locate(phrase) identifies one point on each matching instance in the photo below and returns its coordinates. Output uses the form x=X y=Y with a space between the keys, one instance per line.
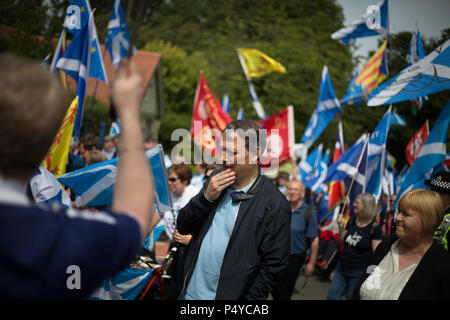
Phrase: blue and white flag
x=321 y=169
x=345 y=167
x=355 y=93
x=327 y=108
x=376 y=155
x=94 y=185
x=117 y=35
x=373 y=22
x=226 y=103
x=359 y=180
x=308 y=168
x=431 y=155
x=126 y=285
x=45 y=188
x=415 y=49
x=256 y=104
x=149 y=242
x=240 y=115
x=428 y=75
x=76 y=63
x=115 y=128
x=397 y=119
x=77 y=16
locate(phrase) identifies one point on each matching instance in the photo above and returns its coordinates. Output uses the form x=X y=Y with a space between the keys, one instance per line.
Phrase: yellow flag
x=56 y=158
x=258 y=64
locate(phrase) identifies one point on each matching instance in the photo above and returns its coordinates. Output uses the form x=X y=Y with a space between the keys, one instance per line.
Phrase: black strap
x=307 y=216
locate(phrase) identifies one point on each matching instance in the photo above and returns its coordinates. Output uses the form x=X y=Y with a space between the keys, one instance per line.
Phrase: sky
x=431 y=16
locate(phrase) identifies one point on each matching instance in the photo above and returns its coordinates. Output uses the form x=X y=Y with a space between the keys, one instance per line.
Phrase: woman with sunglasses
x=181 y=191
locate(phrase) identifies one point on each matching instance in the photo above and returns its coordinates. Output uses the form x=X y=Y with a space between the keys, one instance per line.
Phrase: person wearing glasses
x=181 y=189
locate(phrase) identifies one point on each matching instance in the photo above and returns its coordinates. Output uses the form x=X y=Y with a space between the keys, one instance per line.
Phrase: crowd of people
x=239 y=234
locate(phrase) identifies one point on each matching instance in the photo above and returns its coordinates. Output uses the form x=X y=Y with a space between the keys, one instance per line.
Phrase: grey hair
x=369 y=204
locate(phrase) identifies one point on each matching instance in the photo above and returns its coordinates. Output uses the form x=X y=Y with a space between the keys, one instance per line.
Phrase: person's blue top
x=40 y=243
x=299 y=233
x=203 y=283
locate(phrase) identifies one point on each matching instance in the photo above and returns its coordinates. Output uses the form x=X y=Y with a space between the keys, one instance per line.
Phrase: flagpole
x=354 y=176
x=93 y=98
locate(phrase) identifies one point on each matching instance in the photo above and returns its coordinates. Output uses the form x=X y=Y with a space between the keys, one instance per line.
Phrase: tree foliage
x=204 y=34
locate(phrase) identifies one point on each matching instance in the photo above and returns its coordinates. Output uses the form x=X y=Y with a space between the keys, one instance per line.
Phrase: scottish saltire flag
x=76 y=63
x=226 y=103
x=327 y=108
x=308 y=167
x=355 y=93
x=240 y=115
x=432 y=154
x=397 y=119
x=115 y=128
x=117 y=35
x=321 y=169
x=428 y=75
x=359 y=179
x=77 y=16
x=376 y=155
x=94 y=185
x=415 y=53
x=346 y=166
x=149 y=242
x=415 y=49
x=126 y=285
x=45 y=188
x=256 y=104
x=373 y=22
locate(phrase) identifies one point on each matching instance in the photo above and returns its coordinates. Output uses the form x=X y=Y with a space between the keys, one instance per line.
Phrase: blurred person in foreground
x=42 y=247
x=410 y=265
x=240 y=225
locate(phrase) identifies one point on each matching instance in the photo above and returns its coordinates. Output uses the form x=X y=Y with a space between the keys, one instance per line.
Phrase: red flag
x=280 y=137
x=208 y=118
x=336 y=187
x=416 y=142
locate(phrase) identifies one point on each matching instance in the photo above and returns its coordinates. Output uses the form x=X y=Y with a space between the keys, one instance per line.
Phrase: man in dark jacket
x=240 y=224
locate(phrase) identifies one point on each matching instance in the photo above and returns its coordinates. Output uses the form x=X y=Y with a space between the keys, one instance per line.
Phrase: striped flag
x=374 y=72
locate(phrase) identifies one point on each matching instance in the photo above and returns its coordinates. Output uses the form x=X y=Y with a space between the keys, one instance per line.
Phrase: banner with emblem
x=208 y=118
x=280 y=137
x=56 y=158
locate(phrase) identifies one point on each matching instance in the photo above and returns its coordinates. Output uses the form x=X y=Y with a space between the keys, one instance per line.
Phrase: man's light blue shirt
x=204 y=280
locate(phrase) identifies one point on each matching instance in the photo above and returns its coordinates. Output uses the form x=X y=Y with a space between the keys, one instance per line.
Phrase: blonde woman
x=360 y=237
x=410 y=265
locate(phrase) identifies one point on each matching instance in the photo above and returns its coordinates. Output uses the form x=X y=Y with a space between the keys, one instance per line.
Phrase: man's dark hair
x=90 y=141
x=246 y=127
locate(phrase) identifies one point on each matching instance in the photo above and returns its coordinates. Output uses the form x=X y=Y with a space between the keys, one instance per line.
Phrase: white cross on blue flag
x=327 y=108
x=431 y=155
x=117 y=35
x=94 y=185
